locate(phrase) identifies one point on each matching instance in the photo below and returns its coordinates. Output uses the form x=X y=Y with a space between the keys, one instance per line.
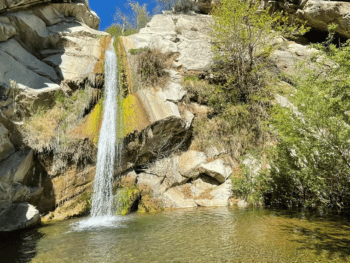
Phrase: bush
x=311 y=165
x=151 y=64
x=240 y=90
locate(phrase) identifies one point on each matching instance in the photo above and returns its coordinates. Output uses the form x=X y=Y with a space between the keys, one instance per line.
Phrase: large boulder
x=18 y=216
x=289 y=55
x=186 y=35
x=189 y=163
x=16 y=173
x=319 y=14
x=11 y=5
x=186 y=180
x=217 y=170
x=28 y=60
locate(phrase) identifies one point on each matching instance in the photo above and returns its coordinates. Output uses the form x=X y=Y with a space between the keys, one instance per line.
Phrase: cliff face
x=46 y=48
x=51 y=66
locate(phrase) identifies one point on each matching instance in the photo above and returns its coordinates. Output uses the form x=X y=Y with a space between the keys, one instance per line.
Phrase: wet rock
x=18 y=216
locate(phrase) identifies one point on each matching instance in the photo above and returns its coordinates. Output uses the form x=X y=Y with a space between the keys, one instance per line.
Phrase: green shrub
x=138 y=50
x=311 y=163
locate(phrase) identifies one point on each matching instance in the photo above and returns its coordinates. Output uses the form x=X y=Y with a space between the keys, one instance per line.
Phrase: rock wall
x=50 y=46
x=159 y=156
x=317 y=13
x=45 y=47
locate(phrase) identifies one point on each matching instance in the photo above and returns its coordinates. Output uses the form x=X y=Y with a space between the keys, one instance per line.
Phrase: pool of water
x=219 y=234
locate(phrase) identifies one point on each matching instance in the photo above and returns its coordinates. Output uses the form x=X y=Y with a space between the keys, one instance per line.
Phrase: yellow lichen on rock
x=134 y=117
x=92 y=125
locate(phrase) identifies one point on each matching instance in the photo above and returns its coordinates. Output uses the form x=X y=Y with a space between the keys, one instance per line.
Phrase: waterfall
x=102 y=199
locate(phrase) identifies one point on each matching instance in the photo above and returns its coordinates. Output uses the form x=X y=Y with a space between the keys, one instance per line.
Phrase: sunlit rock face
x=45 y=47
x=18 y=216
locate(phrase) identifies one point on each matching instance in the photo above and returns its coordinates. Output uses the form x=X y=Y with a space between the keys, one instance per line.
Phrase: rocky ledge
x=18 y=216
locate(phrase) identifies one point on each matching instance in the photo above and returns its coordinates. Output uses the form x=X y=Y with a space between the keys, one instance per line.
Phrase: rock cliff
x=51 y=48
x=46 y=47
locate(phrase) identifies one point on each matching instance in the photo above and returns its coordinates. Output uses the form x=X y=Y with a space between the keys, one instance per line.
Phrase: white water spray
x=102 y=199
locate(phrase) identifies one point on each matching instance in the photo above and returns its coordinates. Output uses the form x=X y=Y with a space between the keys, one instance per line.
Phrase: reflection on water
x=19 y=246
x=201 y=235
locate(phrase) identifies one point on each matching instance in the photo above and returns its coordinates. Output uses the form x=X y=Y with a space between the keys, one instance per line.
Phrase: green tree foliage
x=312 y=160
x=243 y=38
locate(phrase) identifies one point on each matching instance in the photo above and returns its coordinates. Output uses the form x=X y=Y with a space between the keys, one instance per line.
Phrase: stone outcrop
x=319 y=14
x=18 y=216
x=47 y=43
x=45 y=47
x=181 y=181
x=178 y=33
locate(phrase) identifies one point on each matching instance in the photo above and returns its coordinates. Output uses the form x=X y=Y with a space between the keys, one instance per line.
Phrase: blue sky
x=107 y=8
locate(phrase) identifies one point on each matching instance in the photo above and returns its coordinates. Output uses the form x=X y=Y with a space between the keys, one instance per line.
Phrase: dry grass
x=150 y=66
x=49 y=129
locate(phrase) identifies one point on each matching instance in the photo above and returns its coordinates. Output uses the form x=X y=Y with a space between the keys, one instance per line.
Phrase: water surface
x=219 y=234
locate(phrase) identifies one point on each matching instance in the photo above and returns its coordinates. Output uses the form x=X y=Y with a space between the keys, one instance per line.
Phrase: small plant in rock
x=125 y=199
x=137 y=51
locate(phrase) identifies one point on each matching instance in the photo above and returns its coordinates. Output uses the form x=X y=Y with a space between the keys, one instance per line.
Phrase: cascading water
x=102 y=199
x=108 y=151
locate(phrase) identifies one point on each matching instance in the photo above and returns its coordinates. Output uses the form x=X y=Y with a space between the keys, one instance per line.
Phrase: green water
x=196 y=235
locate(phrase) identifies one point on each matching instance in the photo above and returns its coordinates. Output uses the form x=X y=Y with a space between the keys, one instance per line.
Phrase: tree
x=312 y=161
x=133 y=21
x=242 y=39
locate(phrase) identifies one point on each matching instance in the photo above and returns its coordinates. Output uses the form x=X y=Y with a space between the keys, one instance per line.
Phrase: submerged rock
x=18 y=216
